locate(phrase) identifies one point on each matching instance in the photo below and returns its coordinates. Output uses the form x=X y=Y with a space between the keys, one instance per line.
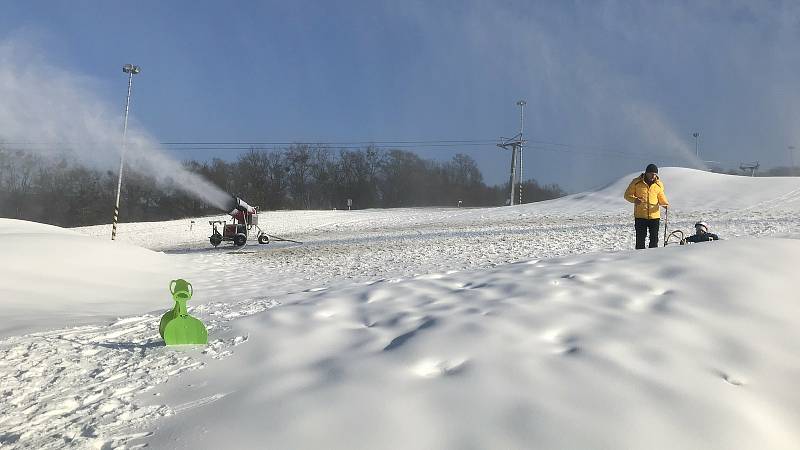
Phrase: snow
x=561 y=352
x=513 y=327
x=694 y=190
x=53 y=277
